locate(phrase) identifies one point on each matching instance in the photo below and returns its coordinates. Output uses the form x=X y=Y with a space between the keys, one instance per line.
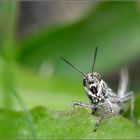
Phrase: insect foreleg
x=76 y=103
x=103 y=118
x=130 y=96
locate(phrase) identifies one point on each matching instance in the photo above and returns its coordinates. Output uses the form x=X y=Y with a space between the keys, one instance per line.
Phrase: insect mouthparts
x=93 y=89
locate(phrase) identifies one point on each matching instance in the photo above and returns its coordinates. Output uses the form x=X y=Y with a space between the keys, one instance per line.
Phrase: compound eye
x=84 y=82
x=91 y=82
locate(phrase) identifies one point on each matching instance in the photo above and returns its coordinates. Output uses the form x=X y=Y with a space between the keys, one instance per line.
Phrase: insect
x=104 y=103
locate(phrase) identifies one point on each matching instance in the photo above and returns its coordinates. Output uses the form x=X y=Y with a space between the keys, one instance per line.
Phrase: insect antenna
x=73 y=66
x=95 y=54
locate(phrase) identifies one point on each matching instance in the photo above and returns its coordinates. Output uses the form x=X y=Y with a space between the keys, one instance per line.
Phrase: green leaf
x=67 y=124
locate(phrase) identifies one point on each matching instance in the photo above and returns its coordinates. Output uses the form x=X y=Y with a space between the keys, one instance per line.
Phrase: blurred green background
x=33 y=35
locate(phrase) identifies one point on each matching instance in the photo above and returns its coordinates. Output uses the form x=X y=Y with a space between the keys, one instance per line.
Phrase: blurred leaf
x=8 y=24
x=113 y=26
x=137 y=113
x=136 y=109
x=137 y=104
x=8 y=18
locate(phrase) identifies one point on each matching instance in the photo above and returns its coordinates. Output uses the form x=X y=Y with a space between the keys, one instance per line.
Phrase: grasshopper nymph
x=104 y=103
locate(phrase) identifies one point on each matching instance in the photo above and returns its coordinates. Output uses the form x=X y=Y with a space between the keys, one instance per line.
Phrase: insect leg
x=130 y=96
x=123 y=82
x=75 y=103
x=103 y=118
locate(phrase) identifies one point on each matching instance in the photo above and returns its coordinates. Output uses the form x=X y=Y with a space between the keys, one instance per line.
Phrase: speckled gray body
x=103 y=101
x=99 y=94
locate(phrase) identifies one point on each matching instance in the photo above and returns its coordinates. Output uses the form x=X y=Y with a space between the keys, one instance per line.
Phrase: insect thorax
x=96 y=89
